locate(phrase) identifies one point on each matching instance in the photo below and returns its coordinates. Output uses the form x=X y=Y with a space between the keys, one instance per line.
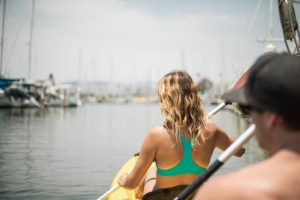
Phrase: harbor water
x=74 y=153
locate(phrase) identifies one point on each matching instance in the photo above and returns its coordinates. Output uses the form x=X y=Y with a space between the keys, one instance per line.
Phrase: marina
x=17 y=93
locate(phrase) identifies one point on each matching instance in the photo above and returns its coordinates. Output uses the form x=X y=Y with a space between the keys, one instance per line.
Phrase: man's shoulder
x=235 y=185
x=223 y=187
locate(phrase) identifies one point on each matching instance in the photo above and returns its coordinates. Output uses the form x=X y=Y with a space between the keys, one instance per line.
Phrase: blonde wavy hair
x=181 y=104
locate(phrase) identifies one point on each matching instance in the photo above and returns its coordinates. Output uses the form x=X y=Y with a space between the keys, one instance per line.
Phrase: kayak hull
x=122 y=193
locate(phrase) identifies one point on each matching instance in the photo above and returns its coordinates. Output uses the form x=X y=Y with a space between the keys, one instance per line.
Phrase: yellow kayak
x=122 y=193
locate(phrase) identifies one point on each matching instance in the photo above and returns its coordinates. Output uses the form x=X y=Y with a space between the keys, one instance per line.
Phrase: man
x=272 y=94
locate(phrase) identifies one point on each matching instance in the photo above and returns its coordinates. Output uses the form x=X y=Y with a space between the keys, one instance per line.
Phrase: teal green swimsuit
x=186 y=166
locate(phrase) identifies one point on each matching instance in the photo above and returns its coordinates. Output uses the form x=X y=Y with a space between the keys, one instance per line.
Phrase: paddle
x=238 y=84
x=218 y=163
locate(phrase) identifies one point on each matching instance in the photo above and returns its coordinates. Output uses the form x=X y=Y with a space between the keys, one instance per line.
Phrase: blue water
x=74 y=153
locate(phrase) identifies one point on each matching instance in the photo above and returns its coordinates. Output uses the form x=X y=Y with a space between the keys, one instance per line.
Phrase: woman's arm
x=223 y=141
x=145 y=159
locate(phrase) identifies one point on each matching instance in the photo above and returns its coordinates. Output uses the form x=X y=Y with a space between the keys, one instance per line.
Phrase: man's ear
x=273 y=119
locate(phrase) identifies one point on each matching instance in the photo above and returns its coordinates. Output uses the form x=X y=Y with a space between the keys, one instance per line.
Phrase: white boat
x=14 y=95
x=4 y=100
x=63 y=95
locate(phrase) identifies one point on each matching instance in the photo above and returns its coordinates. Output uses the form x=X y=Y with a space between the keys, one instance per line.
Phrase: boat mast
x=111 y=78
x=270 y=46
x=182 y=59
x=79 y=67
x=2 y=39
x=271 y=18
x=30 y=41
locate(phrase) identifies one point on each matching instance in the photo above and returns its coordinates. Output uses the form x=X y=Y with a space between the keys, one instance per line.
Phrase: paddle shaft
x=112 y=189
x=218 y=163
x=217 y=109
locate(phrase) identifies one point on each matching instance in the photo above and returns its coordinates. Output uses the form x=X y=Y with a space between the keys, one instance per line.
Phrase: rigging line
x=257 y=9
x=271 y=18
x=14 y=42
x=13 y=45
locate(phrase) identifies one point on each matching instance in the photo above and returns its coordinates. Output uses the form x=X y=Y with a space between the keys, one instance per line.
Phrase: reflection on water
x=74 y=153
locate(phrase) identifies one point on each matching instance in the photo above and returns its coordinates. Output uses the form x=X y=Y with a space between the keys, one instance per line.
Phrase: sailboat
x=14 y=91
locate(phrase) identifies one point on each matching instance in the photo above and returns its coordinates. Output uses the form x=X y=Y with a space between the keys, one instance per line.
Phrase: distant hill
x=104 y=88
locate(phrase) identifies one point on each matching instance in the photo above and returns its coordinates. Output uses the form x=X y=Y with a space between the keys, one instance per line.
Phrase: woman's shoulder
x=210 y=129
x=155 y=134
x=157 y=130
x=160 y=133
x=210 y=126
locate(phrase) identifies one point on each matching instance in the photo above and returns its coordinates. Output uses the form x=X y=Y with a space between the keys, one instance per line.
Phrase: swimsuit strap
x=187 y=165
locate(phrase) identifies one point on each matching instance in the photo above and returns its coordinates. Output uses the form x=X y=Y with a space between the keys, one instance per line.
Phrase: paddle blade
x=242 y=80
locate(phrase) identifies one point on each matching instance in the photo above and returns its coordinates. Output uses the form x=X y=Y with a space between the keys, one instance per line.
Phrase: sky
x=135 y=40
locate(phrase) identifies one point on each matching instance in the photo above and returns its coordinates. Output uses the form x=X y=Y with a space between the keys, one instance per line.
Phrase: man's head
x=273 y=85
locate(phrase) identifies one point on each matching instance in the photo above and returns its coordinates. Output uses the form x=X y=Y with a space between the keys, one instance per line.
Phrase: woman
x=182 y=147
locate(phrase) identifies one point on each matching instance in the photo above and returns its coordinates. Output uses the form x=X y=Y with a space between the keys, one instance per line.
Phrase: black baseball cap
x=273 y=84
